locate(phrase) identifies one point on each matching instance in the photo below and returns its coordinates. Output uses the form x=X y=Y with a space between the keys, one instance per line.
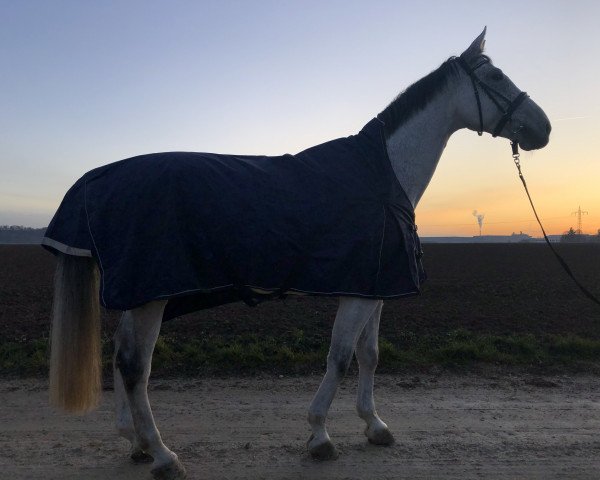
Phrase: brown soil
x=497 y=289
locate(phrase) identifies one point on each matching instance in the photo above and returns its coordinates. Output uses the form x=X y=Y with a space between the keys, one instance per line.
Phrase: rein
x=517 y=160
x=507 y=110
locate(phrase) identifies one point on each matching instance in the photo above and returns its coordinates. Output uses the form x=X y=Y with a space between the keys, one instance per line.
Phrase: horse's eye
x=497 y=76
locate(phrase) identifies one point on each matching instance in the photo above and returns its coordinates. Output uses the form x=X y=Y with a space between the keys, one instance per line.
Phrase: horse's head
x=491 y=102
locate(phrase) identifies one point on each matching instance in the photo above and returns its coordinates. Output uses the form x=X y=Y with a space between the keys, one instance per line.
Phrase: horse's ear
x=476 y=48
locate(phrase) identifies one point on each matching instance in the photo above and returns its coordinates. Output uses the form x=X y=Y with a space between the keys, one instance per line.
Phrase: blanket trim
x=66 y=249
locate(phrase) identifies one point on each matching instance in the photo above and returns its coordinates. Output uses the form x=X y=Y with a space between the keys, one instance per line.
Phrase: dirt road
x=503 y=426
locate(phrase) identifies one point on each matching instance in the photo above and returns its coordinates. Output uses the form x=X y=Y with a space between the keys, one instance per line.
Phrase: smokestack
x=479 y=217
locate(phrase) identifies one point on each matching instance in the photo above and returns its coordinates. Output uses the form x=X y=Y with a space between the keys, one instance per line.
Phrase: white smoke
x=479 y=217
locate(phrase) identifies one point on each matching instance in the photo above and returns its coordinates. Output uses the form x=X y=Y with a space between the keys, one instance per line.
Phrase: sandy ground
x=500 y=426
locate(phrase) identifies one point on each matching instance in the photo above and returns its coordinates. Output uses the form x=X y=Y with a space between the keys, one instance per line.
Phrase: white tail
x=76 y=356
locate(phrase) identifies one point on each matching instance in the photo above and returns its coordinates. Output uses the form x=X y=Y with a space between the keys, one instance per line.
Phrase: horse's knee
x=340 y=359
x=342 y=367
x=368 y=357
x=130 y=366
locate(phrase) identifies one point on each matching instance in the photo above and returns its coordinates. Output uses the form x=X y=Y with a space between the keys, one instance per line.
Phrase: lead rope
x=517 y=160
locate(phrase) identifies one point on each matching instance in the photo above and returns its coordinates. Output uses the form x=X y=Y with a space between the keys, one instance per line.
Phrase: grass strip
x=300 y=353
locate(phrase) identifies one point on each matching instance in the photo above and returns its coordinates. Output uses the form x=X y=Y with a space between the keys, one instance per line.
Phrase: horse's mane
x=417 y=96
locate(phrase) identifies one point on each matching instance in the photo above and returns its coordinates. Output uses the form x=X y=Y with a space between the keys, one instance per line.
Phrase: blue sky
x=87 y=83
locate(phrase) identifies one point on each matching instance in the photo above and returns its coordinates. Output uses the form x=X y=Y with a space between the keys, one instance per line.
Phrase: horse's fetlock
x=365 y=414
x=316 y=419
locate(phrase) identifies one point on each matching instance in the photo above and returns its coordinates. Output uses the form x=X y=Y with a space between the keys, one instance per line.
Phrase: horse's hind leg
x=367 y=354
x=133 y=359
x=352 y=315
x=124 y=419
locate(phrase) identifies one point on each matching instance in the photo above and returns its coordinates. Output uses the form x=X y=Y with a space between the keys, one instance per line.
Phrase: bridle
x=507 y=110
x=494 y=95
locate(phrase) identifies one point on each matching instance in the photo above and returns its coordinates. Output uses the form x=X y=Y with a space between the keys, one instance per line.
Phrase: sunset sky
x=86 y=83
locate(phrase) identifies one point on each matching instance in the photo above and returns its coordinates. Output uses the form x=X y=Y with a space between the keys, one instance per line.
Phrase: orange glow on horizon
x=478 y=174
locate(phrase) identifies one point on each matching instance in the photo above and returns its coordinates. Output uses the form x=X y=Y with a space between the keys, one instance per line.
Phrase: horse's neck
x=416 y=146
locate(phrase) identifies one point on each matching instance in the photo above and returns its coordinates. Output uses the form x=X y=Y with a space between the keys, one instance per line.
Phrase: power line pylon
x=579 y=213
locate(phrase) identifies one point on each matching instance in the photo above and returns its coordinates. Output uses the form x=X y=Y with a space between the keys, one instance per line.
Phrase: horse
x=402 y=145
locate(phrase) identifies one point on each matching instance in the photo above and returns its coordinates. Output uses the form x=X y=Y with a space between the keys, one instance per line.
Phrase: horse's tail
x=75 y=358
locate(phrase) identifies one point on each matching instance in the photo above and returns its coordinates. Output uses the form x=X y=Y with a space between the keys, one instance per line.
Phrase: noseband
x=494 y=95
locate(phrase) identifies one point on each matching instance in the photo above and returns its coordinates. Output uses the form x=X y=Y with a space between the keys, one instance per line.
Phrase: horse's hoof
x=380 y=437
x=321 y=451
x=139 y=456
x=170 y=471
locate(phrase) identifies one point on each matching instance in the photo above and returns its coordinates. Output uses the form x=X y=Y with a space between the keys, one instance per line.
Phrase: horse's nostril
x=548 y=128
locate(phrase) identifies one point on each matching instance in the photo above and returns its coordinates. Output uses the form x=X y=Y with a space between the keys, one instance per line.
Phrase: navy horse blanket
x=202 y=229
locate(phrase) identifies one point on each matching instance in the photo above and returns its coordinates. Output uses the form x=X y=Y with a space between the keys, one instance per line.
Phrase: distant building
x=515 y=238
x=512 y=238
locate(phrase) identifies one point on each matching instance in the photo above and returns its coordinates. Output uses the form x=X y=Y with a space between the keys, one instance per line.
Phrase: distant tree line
x=573 y=236
x=20 y=234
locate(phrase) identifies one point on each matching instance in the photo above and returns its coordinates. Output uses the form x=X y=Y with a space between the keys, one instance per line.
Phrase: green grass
x=24 y=357
x=297 y=352
x=241 y=354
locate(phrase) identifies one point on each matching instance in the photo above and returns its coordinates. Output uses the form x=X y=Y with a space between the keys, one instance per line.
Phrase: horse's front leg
x=138 y=337
x=352 y=315
x=367 y=354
